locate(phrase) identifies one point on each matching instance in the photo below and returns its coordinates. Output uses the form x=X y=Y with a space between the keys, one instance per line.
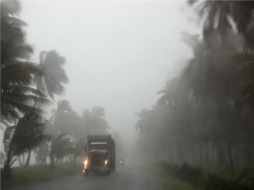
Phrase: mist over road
x=126 y=178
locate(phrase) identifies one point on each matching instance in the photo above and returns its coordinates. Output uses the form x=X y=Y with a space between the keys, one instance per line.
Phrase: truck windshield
x=98 y=146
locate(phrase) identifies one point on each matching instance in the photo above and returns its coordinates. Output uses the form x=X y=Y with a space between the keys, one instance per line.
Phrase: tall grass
x=33 y=174
x=225 y=179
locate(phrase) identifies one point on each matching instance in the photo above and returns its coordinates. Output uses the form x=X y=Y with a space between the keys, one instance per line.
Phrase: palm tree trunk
x=230 y=157
x=6 y=174
x=43 y=161
x=207 y=159
x=28 y=158
x=21 y=163
x=52 y=161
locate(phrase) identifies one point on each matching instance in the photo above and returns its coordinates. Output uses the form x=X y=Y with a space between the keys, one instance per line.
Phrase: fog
x=150 y=93
x=119 y=54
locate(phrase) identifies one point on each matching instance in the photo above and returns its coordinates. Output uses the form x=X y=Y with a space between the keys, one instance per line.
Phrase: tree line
x=26 y=87
x=27 y=90
x=204 y=116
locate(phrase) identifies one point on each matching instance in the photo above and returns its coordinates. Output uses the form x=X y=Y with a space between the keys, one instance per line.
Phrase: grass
x=171 y=183
x=33 y=174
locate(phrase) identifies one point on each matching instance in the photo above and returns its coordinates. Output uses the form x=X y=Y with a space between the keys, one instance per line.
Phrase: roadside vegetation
x=169 y=181
x=27 y=89
x=28 y=92
x=37 y=173
x=203 y=119
x=189 y=177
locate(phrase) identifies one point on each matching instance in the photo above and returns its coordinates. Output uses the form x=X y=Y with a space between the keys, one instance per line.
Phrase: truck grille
x=96 y=160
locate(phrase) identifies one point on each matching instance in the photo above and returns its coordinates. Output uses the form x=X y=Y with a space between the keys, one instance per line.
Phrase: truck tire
x=85 y=173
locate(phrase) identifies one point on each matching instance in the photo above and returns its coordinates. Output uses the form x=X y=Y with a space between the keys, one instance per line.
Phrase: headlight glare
x=85 y=163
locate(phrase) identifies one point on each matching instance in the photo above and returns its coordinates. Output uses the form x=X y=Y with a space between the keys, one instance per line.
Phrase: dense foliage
x=68 y=131
x=26 y=88
x=16 y=71
x=204 y=117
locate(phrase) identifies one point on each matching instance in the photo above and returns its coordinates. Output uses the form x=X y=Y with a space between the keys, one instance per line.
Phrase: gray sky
x=119 y=53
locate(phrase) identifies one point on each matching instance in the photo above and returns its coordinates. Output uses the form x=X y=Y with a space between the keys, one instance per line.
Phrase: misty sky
x=119 y=54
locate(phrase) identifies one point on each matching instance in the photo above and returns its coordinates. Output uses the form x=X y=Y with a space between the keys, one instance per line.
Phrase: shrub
x=225 y=179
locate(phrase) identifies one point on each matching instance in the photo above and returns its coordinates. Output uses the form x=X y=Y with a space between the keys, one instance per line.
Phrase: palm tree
x=60 y=147
x=60 y=121
x=13 y=45
x=17 y=92
x=53 y=77
x=221 y=17
x=16 y=71
x=96 y=121
x=220 y=14
x=21 y=138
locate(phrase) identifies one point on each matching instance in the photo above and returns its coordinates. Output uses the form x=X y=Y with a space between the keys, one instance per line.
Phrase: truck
x=99 y=154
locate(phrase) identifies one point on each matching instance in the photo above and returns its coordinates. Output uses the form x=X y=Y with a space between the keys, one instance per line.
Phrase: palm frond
x=28 y=133
x=17 y=73
x=11 y=7
x=17 y=100
x=53 y=76
x=222 y=16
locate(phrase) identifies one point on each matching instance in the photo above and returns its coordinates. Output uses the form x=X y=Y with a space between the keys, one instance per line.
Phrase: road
x=125 y=178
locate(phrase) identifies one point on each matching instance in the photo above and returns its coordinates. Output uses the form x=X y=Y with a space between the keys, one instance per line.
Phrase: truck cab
x=99 y=154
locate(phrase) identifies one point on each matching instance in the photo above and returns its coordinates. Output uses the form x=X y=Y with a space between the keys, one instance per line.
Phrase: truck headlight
x=85 y=163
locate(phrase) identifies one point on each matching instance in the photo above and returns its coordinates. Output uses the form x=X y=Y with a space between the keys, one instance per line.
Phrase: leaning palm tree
x=227 y=15
x=17 y=92
x=223 y=17
x=14 y=48
x=53 y=77
x=16 y=72
x=20 y=138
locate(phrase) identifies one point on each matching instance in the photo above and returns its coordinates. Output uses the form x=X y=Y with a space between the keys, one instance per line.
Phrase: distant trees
x=65 y=126
x=203 y=117
x=95 y=120
x=61 y=146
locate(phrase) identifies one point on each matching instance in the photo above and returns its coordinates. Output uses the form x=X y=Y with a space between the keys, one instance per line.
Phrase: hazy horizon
x=118 y=54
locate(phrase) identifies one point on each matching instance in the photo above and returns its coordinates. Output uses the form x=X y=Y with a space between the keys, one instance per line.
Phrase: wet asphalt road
x=123 y=179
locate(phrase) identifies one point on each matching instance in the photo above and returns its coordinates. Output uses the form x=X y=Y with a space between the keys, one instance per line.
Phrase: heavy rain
x=127 y=95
